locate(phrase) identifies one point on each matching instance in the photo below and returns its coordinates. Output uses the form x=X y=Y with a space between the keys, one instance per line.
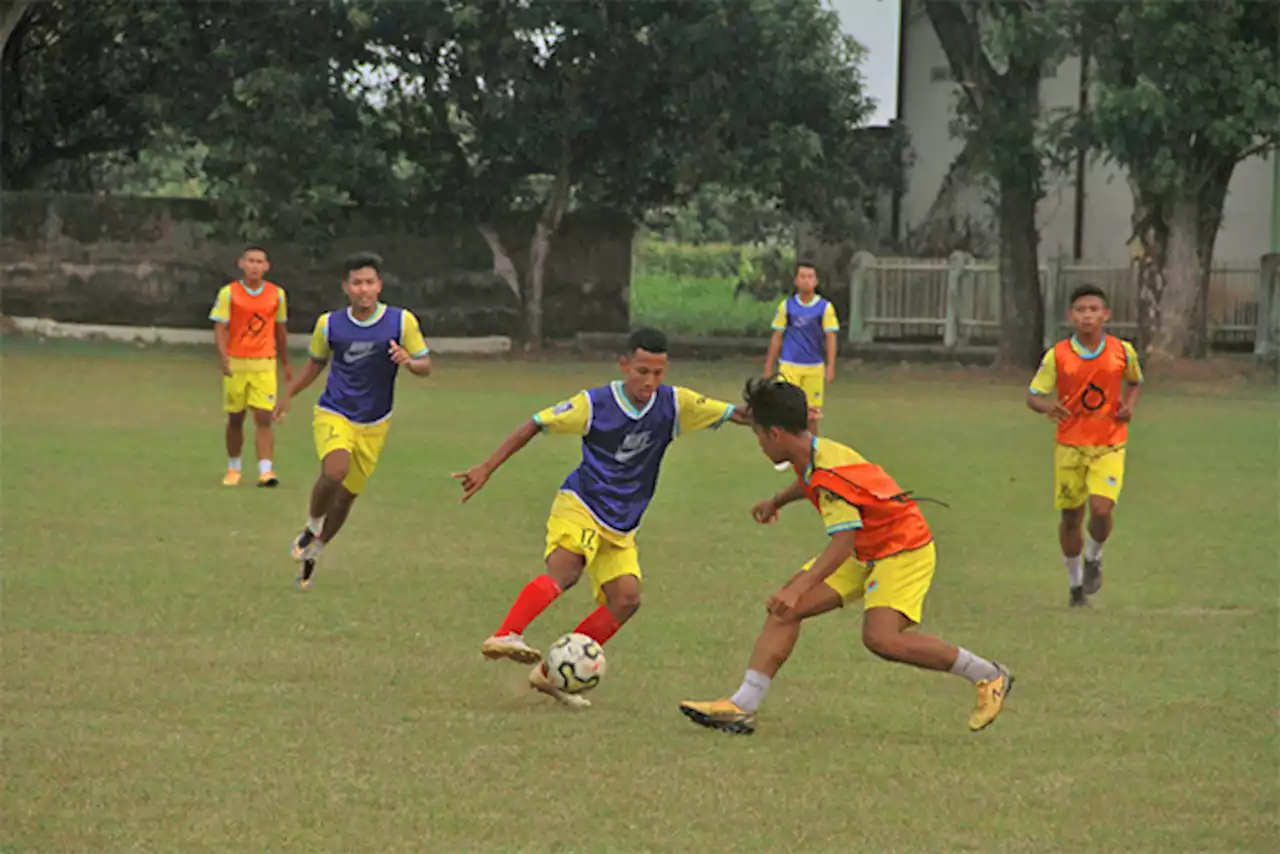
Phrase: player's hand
x=1059 y=413
x=226 y=367
x=766 y=512
x=831 y=373
x=473 y=479
x=783 y=602
x=1125 y=412
x=281 y=410
x=399 y=355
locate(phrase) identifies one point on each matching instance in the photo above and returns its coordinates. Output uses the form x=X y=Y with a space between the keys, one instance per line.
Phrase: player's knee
x=235 y=419
x=1073 y=517
x=261 y=419
x=1100 y=508
x=881 y=641
x=624 y=604
x=336 y=468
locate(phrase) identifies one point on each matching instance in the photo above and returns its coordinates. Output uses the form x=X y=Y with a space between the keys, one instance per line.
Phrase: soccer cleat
x=539 y=681
x=231 y=478
x=724 y=715
x=268 y=479
x=510 y=646
x=298 y=550
x=1093 y=576
x=991 y=696
x=1078 y=599
x=307 y=574
x=782 y=466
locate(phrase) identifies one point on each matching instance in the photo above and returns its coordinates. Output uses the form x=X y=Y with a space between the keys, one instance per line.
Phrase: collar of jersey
x=804 y=304
x=625 y=403
x=373 y=318
x=1088 y=354
x=253 y=292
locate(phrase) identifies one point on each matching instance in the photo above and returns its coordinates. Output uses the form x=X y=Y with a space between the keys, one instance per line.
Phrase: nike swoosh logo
x=351 y=358
x=627 y=456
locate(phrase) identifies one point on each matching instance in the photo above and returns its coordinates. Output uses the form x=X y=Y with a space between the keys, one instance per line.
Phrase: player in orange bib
x=1088 y=385
x=249 y=326
x=880 y=550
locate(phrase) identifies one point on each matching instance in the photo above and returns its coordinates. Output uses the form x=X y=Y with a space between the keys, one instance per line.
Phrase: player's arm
x=318 y=353
x=411 y=352
x=282 y=337
x=839 y=549
x=571 y=417
x=1042 y=394
x=766 y=512
x=830 y=326
x=775 y=342
x=699 y=412
x=221 y=317
x=1133 y=383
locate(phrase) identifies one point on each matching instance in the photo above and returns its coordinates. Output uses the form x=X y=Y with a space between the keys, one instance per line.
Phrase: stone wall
x=148 y=262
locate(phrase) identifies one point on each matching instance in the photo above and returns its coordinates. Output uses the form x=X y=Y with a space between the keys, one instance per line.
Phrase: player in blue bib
x=364 y=347
x=626 y=428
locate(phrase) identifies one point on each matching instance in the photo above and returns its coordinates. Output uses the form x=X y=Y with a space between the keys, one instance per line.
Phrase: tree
x=997 y=51
x=1183 y=92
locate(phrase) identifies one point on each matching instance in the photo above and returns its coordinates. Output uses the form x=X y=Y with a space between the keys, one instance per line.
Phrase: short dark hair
x=253 y=247
x=774 y=402
x=648 y=339
x=1087 y=290
x=801 y=264
x=360 y=260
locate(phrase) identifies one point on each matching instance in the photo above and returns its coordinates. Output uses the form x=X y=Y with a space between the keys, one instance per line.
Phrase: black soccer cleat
x=1092 y=576
x=1078 y=599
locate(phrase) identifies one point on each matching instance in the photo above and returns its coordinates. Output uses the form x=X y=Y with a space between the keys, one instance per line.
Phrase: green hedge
x=715 y=261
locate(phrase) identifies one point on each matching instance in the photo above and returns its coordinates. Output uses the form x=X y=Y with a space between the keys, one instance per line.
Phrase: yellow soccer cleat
x=268 y=479
x=991 y=696
x=512 y=647
x=539 y=681
x=724 y=715
x=231 y=478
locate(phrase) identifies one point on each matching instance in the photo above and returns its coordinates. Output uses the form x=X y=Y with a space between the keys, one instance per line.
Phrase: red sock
x=532 y=601
x=599 y=626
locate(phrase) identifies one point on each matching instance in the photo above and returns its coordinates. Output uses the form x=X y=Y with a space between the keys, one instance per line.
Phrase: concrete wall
x=152 y=262
x=928 y=101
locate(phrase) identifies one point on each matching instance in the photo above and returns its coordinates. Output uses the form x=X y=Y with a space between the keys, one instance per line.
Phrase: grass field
x=166 y=689
x=692 y=306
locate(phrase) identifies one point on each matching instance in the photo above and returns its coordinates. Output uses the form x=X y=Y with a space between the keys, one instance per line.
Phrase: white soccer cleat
x=539 y=681
x=510 y=646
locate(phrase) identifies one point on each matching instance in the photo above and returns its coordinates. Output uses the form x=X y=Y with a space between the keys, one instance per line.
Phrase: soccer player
x=1088 y=385
x=804 y=333
x=249 y=327
x=626 y=427
x=879 y=550
x=365 y=347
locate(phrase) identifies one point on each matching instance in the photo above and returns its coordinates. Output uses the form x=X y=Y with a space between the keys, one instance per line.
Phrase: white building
x=1087 y=219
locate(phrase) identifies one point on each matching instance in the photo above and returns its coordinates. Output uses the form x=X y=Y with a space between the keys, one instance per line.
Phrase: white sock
x=1092 y=548
x=312 y=551
x=974 y=668
x=264 y=466
x=1075 y=570
x=751 y=694
x=315 y=525
x=233 y=463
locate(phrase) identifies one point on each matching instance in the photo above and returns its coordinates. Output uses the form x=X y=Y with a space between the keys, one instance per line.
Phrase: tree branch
x=13 y=12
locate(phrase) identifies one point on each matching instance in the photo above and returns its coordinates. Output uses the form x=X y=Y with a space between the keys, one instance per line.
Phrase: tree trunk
x=1021 y=304
x=1180 y=333
x=540 y=249
x=503 y=267
x=1148 y=251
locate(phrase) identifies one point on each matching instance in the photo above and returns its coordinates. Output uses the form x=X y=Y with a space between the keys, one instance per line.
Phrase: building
x=1083 y=216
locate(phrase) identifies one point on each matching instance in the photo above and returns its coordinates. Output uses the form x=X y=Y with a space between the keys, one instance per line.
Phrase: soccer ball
x=575 y=663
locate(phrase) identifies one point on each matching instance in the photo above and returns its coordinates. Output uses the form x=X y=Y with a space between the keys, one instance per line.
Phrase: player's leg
x=262 y=400
x=773 y=647
x=1104 y=480
x=895 y=591
x=569 y=547
x=1070 y=495
x=234 y=403
x=616 y=583
x=815 y=390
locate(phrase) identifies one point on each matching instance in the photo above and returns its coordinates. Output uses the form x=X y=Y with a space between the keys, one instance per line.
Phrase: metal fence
x=956 y=300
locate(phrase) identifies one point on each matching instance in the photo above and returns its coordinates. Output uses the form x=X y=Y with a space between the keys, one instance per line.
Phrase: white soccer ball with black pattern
x=575 y=663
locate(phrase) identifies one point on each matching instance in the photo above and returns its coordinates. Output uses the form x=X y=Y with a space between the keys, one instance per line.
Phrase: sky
x=874 y=23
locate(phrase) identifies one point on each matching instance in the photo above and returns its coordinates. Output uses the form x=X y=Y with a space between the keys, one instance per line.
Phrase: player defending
x=804 y=332
x=626 y=428
x=880 y=550
x=249 y=326
x=1081 y=385
x=365 y=346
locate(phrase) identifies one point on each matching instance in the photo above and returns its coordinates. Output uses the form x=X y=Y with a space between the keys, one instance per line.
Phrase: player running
x=626 y=428
x=1081 y=385
x=804 y=333
x=365 y=346
x=880 y=550
x=249 y=327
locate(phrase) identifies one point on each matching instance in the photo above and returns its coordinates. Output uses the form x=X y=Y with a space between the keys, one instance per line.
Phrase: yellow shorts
x=249 y=390
x=899 y=582
x=1084 y=471
x=811 y=378
x=609 y=557
x=363 y=443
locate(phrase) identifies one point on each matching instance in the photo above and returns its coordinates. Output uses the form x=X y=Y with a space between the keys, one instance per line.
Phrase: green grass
x=689 y=306
x=166 y=689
